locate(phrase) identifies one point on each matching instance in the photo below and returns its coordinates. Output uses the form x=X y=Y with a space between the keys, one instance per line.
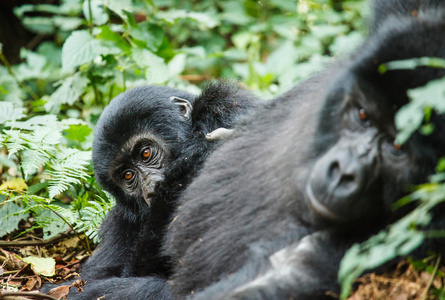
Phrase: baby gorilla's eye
x=146 y=153
x=362 y=114
x=128 y=175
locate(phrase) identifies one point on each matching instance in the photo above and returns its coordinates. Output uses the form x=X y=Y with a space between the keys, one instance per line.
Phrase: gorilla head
x=136 y=136
x=364 y=165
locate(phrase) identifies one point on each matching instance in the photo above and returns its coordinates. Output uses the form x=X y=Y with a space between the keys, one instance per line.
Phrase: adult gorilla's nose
x=337 y=180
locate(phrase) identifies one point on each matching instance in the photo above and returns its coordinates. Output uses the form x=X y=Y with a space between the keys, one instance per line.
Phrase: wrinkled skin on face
x=345 y=183
x=139 y=167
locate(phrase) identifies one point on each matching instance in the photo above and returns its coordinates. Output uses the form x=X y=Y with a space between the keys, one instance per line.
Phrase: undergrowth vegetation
x=95 y=49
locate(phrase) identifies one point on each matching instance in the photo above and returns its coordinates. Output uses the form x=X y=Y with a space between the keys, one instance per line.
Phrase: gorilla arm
x=317 y=256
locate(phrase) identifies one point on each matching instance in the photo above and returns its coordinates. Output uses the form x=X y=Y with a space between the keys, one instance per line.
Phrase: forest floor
x=415 y=281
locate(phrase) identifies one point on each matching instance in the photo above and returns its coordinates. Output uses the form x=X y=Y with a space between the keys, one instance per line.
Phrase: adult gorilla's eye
x=363 y=117
x=128 y=175
x=146 y=153
x=396 y=146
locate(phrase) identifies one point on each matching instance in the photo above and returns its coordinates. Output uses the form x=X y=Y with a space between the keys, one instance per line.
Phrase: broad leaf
x=99 y=16
x=42 y=266
x=68 y=93
x=81 y=47
x=157 y=71
x=9 y=222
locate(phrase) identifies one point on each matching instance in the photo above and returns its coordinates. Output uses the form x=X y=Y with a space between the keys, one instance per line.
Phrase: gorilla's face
x=364 y=170
x=139 y=166
x=135 y=137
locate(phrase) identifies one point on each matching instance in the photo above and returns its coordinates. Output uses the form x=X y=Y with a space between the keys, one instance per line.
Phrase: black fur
x=132 y=232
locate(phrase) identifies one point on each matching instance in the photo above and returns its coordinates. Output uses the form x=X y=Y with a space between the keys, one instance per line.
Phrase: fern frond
x=16 y=141
x=54 y=219
x=40 y=149
x=93 y=216
x=9 y=113
x=69 y=168
x=49 y=121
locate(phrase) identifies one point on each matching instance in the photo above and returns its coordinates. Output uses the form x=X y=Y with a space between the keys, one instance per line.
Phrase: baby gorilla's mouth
x=148 y=193
x=319 y=208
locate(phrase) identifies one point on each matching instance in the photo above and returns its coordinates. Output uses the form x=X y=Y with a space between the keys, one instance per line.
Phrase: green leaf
x=119 y=7
x=325 y=31
x=33 y=189
x=34 y=66
x=9 y=88
x=9 y=222
x=9 y=113
x=67 y=23
x=204 y=19
x=67 y=93
x=78 y=133
x=412 y=63
x=42 y=266
x=39 y=25
x=345 y=44
x=276 y=64
x=99 y=15
x=411 y=116
x=157 y=71
x=234 y=13
x=407 y=120
x=34 y=122
x=52 y=223
x=7 y=162
x=147 y=35
x=107 y=34
x=81 y=47
x=177 y=64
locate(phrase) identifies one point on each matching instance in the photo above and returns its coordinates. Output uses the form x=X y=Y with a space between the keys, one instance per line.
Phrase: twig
x=10 y=272
x=433 y=275
x=27 y=294
x=192 y=77
x=12 y=73
x=33 y=243
x=19 y=277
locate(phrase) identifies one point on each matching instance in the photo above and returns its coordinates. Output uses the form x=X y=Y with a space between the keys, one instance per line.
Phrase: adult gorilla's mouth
x=318 y=207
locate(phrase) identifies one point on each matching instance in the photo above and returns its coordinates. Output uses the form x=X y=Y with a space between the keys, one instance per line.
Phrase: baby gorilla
x=149 y=144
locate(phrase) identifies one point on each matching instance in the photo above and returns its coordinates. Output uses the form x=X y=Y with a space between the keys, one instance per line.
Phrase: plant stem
x=433 y=275
x=124 y=79
x=19 y=157
x=85 y=245
x=93 y=83
x=90 y=19
x=11 y=72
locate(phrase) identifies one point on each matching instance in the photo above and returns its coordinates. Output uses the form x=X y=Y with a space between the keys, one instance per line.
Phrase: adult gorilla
x=272 y=214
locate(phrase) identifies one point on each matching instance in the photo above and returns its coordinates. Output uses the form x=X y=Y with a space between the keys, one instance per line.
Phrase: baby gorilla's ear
x=184 y=106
